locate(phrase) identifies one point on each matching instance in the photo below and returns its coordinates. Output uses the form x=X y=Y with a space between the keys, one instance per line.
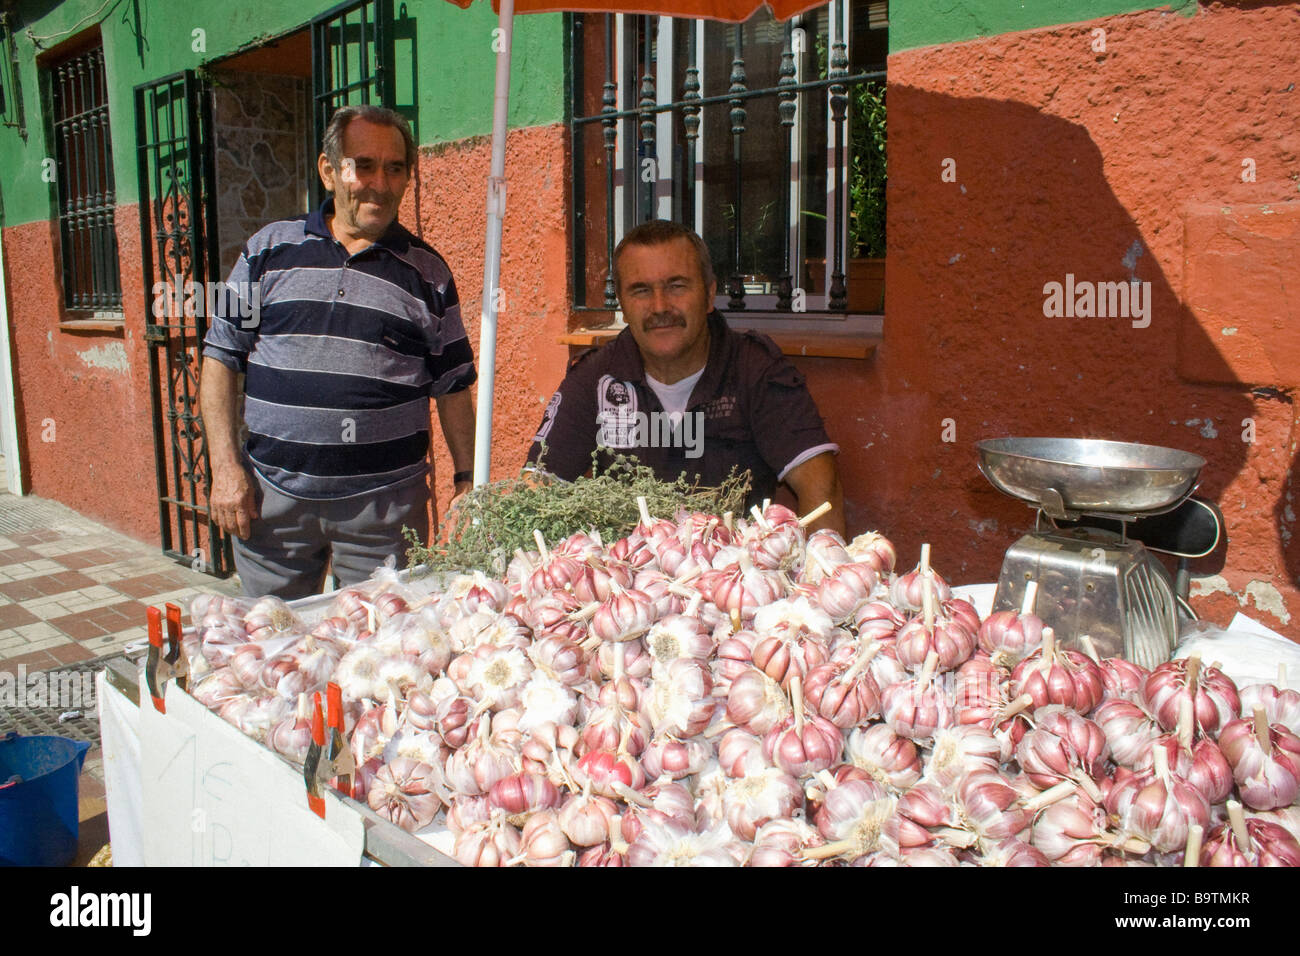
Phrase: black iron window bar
x=85 y=181
x=690 y=107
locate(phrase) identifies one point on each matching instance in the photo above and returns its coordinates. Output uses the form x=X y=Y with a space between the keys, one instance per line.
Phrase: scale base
x=1093 y=582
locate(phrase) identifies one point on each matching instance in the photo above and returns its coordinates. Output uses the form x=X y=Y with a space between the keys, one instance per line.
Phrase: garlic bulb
x=545 y=700
x=1265 y=761
x=741 y=753
x=1279 y=706
x=1054 y=676
x=674 y=759
x=756 y=798
x=782 y=842
x=403 y=791
x=667 y=844
x=681 y=702
x=494 y=843
x=1159 y=808
x=585 y=818
x=889 y=758
x=1214 y=696
x=498 y=675
x=958 y=751
x=755 y=702
x=678 y=636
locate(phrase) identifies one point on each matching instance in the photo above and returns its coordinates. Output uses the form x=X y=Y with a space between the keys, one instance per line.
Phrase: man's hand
x=815 y=481
x=461 y=489
x=233 y=502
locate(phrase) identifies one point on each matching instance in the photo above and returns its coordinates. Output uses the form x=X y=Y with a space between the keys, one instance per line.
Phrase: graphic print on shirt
x=548 y=417
x=616 y=404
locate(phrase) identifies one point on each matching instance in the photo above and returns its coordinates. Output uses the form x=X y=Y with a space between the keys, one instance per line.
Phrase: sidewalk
x=73 y=594
x=72 y=590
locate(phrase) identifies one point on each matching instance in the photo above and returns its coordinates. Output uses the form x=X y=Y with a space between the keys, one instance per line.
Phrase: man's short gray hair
x=656 y=232
x=332 y=142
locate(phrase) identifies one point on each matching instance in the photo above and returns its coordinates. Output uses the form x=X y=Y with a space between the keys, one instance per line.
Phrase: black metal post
x=646 y=150
x=691 y=120
x=786 y=107
x=839 y=101
x=736 y=302
x=609 y=103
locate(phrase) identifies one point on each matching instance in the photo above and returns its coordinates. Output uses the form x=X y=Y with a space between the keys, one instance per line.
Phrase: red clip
x=335 y=696
x=339 y=754
x=315 y=799
x=173 y=631
x=154 y=617
x=317 y=722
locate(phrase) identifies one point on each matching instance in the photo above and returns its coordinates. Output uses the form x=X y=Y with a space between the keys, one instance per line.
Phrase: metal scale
x=1093 y=579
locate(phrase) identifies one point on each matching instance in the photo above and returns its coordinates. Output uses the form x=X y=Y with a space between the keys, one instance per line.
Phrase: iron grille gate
x=178 y=245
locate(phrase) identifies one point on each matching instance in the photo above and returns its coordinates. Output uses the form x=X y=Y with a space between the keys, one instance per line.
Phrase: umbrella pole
x=496 y=208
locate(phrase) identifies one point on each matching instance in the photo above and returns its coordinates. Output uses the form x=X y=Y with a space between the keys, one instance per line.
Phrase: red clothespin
x=311 y=766
x=154 y=660
x=340 y=763
x=179 y=663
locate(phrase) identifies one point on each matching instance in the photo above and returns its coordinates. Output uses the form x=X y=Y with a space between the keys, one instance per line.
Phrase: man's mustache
x=664 y=320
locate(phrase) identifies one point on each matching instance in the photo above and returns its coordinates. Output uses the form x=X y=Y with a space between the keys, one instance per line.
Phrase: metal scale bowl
x=1091 y=580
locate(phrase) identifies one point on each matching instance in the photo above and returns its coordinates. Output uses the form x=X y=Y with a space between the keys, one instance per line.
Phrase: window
x=84 y=160
x=733 y=130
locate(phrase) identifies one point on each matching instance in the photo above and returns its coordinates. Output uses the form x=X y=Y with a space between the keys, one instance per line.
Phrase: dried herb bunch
x=491 y=521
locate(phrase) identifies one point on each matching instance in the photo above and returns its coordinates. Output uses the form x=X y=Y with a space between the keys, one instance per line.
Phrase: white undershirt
x=675 y=396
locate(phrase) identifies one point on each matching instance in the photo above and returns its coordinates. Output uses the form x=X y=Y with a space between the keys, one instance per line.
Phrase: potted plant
x=867 y=176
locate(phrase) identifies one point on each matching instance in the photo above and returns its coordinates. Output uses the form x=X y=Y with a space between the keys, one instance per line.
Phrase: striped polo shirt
x=342 y=355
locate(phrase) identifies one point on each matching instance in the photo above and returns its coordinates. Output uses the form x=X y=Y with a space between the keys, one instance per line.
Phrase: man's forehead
x=365 y=140
x=663 y=260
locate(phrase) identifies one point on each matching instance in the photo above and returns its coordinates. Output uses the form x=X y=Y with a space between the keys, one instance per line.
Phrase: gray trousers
x=296 y=539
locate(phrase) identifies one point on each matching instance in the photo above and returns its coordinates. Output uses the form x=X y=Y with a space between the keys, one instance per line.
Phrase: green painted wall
x=456 y=72
x=915 y=23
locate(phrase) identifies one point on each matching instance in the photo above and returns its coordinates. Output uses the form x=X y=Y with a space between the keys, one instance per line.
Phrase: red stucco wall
x=94 y=385
x=1065 y=157
x=534 y=274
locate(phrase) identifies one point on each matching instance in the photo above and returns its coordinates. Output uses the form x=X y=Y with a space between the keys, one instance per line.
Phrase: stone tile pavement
x=72 y=590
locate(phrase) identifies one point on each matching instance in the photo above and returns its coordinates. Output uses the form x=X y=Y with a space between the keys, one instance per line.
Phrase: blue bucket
x=38 y=812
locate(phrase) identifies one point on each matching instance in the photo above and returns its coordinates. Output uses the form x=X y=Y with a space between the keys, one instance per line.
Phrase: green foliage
x=490 y=522
x=867 y=175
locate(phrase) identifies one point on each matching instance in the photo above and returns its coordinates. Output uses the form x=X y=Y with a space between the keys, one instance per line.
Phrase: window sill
x=810 y=335
x=92 y=325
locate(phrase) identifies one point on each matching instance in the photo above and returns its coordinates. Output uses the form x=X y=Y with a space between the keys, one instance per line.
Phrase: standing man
x=684 y=393
x=356 y=323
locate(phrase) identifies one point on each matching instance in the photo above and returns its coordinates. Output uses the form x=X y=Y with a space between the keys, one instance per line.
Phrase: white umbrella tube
x=496 y=209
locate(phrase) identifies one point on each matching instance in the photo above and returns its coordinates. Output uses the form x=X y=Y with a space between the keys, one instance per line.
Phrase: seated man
x=684 y=393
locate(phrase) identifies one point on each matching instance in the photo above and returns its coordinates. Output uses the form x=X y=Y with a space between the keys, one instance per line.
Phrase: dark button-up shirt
x=750 y=410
